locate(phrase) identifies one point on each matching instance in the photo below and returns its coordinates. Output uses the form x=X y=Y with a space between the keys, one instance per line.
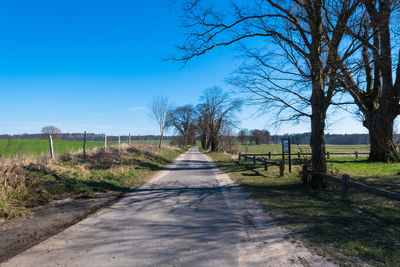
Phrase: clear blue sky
x=94 y=65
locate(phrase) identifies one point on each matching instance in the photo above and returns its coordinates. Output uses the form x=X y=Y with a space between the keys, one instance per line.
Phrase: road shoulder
x=266 y=242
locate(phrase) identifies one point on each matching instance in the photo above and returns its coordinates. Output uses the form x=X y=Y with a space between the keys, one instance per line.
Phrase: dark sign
x=286 y=150
x=285 y=145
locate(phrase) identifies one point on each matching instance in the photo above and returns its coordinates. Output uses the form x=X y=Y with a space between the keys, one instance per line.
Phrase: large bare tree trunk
x=210 y=138
x=184 y=140
x=318 y=100
x=317 y=140
x=215 y=143
x=317 y=143
x=380 y=126
x=204 y=140
x=382 y=98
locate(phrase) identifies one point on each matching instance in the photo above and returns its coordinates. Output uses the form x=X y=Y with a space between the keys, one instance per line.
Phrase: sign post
x=286 y=150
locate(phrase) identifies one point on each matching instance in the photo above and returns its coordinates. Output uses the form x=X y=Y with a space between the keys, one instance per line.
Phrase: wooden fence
x=269 y=155
x=346 y=183
x=264 y=160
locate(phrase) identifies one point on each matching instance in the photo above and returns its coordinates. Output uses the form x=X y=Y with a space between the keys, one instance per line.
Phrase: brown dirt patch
x=22 y=233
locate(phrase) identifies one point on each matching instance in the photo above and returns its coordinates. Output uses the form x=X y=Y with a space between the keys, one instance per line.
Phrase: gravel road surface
x=190 y=214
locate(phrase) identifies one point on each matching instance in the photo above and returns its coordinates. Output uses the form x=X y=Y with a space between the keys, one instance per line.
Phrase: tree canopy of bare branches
x=183 y=119
x=368 y=76
x=51 y=130
x=216 y=111
x=301 y=77
x=159 y=108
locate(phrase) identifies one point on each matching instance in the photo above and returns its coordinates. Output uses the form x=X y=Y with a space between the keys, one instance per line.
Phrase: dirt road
x=190 y=214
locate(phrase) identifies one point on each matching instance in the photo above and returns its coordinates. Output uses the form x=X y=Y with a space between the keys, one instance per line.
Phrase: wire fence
x=56 y=146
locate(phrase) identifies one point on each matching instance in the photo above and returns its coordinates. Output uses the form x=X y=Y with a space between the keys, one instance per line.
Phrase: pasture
x=37 y=147
x=277 y=148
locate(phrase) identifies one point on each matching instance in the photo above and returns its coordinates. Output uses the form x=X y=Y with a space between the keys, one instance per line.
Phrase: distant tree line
x=258 y=137
x=255 y=136
x=331 y=139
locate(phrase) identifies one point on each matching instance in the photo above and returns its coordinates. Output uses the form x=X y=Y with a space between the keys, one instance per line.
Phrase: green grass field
x=277 y=148
x=35 y=147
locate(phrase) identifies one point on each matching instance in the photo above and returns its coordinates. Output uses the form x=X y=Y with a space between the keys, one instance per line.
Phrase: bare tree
x=203 y=122
x=260 y=136
x=216 y=111
x=368 y=77
x=159 y=108
x=306 y=34
x=51 y=130
x=183 y=119
x=243 y=136
x=228 y=140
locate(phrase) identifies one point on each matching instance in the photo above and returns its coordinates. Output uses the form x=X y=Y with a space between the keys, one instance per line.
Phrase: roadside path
x=190 y=214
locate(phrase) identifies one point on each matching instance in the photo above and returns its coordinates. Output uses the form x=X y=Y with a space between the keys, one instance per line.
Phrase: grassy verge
x=28 y=182
x=367 y=227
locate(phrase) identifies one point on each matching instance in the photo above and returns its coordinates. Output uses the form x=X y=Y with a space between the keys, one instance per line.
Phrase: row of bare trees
x=255 y=136
x=301 y=58
x=214 y=115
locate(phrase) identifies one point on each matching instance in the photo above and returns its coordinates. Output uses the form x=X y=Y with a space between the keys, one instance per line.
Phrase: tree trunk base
x=387 y=155
x=380 y=127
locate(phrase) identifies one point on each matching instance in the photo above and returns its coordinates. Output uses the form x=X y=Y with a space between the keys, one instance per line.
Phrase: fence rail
x=263 y=158
x=253 y=157
x=299 y=154
x=347 y=183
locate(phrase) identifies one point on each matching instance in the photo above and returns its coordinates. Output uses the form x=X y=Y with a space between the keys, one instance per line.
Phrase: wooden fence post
x=356 y=154
x=51 y=146
x=240 y=155
x=119 y=141
x=84 y=144
x=328 y=155
x=254 y=160
x=129 y=139
x=105 y=141
x=281 y=168
x=265 y=164
x=345 y=186
x=269 y=155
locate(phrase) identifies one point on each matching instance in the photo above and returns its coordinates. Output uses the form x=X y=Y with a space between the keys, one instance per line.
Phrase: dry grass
x=12 y=187
x=27 y=181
